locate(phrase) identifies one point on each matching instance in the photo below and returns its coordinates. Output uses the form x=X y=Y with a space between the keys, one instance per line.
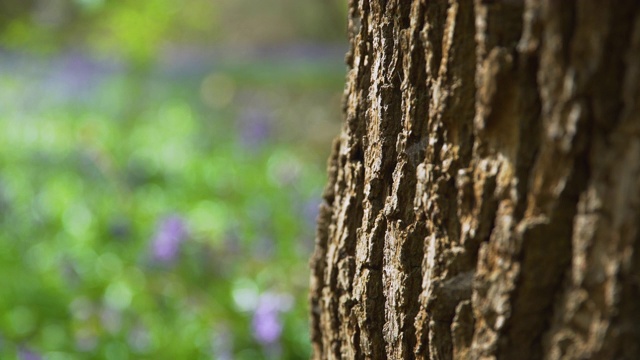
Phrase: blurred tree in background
x=161 y=164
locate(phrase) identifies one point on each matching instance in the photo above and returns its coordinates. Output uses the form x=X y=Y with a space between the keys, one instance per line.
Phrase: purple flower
x=170 y=234
x=26 y=354
x=267 y=325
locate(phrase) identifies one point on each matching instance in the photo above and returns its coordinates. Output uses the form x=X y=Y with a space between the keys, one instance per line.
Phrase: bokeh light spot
x=245 y=294
x=118 y=295
x=77 y=220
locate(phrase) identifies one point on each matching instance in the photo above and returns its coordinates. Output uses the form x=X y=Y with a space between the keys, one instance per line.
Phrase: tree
x=484 y=195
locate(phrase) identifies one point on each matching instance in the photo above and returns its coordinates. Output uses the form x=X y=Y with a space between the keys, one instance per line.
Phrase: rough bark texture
x=484 y=195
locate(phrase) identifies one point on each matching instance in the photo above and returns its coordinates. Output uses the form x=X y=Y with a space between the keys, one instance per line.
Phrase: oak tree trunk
x=484 y=195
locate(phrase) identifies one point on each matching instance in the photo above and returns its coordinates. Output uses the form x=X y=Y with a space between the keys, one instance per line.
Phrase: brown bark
x=484 y=195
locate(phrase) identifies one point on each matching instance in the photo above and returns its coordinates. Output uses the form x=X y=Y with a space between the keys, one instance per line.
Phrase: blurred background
x=161 y=164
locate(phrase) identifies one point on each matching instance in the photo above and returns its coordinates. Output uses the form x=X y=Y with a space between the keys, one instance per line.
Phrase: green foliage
x=156 y=213
x=89 y=178
x=137 y=30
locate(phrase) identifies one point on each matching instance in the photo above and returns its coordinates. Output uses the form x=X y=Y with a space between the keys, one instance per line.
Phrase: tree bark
x=484 y=195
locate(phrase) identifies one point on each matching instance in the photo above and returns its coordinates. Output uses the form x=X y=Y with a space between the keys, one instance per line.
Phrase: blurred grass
x=99 y=154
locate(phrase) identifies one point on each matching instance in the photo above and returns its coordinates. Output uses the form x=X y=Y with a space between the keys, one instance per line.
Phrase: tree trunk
x=484 y=195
